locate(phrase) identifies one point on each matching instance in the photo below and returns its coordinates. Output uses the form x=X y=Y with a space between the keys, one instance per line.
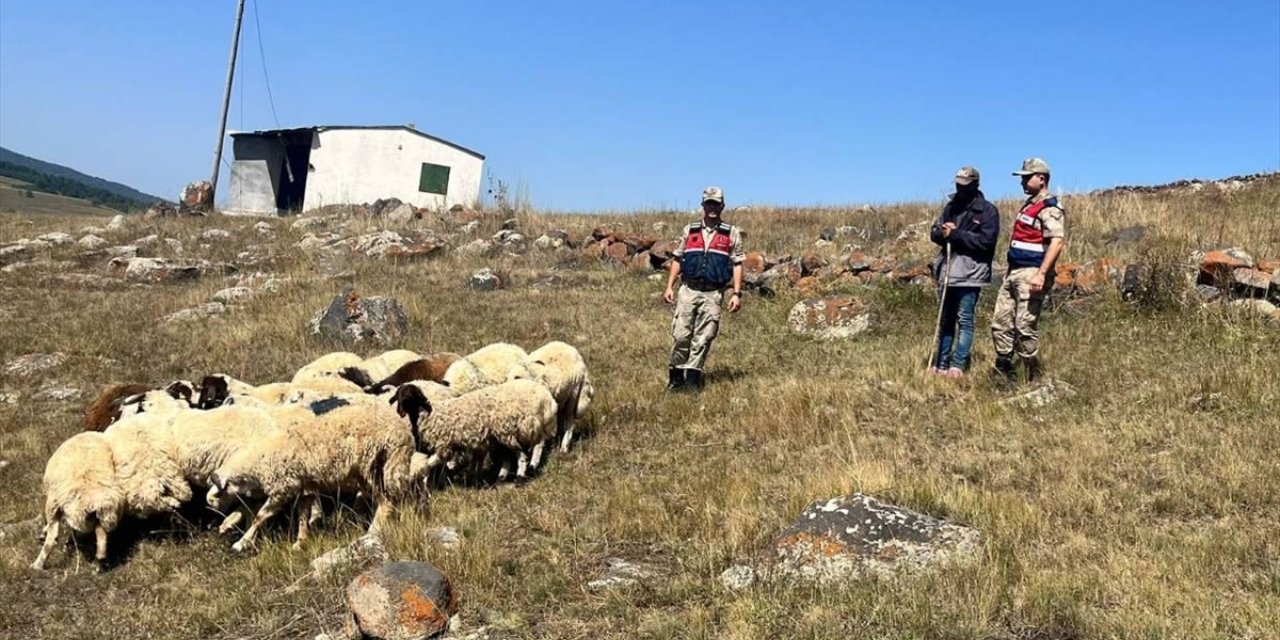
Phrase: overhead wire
x=262 y=55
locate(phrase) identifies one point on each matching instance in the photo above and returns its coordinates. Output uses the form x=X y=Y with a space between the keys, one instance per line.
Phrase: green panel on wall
x=434 y=179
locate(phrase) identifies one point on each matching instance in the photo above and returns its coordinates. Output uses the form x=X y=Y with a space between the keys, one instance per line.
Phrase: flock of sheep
x=343 y=424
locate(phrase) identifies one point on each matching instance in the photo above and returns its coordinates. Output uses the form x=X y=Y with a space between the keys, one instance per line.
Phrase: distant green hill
x=55 y=178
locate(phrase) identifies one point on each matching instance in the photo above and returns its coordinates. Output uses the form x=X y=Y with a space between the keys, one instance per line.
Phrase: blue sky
x=628 y=105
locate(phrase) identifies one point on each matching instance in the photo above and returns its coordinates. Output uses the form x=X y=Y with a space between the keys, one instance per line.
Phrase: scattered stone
x=400 y=601
x=56 y=238
x=116 y=223
x=1208 y=293
x=403 y=214
x=86 y=280
x=510 y=224
x=1257 y=308
x=660 y=227
x=147 y=241
x=621 y=573
x=92 y=242
x=352 y=319
x=175 y=245
x=383 y=206
x=445 y=537
x=1252 y=281
x=196 y=198
x=9 y=398
x=215 y=234
x=3 y=464
x=828 y=234
x=376 y=245
x=1049 y=392
x=16 y=249
x=365 y=549
x=546 y=242
x=823 y=244
x=202 y=312
x=810 y=263
x=738 y=577
x=1217 y=267
x=312 y=241
x=233 y=295
x=617 y=252
x=125 y=251
x=160 y=210
x=263 y=228
x=28 y=365
x=56 y=391
x=470 y=227
x=486 y=280
x=155 y=270
x=479 y=247
x=309 y=222
x=1208 y=402
x=831 y=318
x=859 y=536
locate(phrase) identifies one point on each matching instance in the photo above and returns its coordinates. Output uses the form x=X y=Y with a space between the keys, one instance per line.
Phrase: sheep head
x=213 y=392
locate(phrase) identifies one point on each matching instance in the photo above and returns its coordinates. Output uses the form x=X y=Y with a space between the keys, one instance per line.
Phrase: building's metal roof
x=317 y=128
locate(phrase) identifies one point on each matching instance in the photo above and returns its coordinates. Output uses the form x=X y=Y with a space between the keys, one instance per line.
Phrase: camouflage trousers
x=694 y=327
x=1017 y=314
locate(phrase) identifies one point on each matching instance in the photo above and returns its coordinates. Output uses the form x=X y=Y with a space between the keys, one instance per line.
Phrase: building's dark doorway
x=292 y=188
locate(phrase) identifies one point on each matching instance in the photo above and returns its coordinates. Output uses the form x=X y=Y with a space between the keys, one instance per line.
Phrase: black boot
x=694 y=380
x=1003 y=375
x=675 y=379
x=1034 y=369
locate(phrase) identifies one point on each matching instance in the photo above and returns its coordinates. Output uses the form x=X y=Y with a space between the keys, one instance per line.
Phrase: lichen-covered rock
x=33 y=363
x=830 y=318
x=233 y=295
x=486 y=280
x=92 y=242
x=622 y=573
x=859 y=536
x=400 y=601
x=202 y=312
x=351 y=319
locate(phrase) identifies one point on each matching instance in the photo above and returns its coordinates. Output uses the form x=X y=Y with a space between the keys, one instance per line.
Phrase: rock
x=146 y=241
x=823 y=244
x=196 y=198
x=352 y=319
x=661 y=251
x=263 y=228
x=1217 y=267
x=600 y=233
x=480 y=247
x=831 y=318
x=233 y=295
x=1208 y=293
x=414 y=251
x=155 y=270
x=116 y=223
x=202 y=312
x=365 y=549
x=810 y=263
x=4 y=464
x=160 y=210
x=621 y=573
x=9 y=398
x=1256 y=308
x=857 y=262
x=92 y=242
x=401 y=601
x=859 y=536
x=660 y=227
x=18 y=249
x=86 y=280
x=486 y=280
x=125 y=251
x=312 y=241
x=617 y=252
x=56 y=391
x=175 y=245
x=738 y=577
x=376 y=245
x=56 y=238
x=470 y=227
x=510 y=224
x=1048 y=392
x=309 y=223
x=383 y=206
x=753 y=262
x=403 y=214
x=33 y=363
x=444 y=537
x=1270 y=266
x=1251 y=282
x=215 y=234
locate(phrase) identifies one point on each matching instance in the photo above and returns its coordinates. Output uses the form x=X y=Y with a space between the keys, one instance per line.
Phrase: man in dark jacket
x=970 y=225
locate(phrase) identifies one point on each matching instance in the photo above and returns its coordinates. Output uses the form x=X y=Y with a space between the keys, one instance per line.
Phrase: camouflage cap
x=713 y=194
x=966 y=176
x=1033 y=165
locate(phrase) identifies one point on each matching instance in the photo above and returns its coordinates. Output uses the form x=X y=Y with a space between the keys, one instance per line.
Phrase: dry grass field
x=1146 y=506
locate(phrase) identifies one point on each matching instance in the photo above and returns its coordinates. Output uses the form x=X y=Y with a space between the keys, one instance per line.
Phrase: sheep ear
x=540 y=363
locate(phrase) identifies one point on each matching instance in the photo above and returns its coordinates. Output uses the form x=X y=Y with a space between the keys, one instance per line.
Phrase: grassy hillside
x=122 y=191
x=1144 y=507
x=18 y=197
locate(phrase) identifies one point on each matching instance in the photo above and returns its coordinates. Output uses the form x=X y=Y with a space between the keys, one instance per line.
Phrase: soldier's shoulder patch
x=1055 y=213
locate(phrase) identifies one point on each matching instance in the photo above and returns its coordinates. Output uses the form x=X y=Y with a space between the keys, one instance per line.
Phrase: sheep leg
x=505 y=469
x=306 y=508
x=568 y=433
x=100 y=552
x=381 y=514
x=50 y=541
x=231 y=521
x=522 y=465
x=536 y=462
x=269 y=509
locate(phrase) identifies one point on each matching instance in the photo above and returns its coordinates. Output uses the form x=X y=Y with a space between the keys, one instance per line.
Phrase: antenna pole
x=226 y=98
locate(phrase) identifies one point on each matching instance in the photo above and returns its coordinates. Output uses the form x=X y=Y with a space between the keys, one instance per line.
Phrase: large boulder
x=1251 y=282
x=859 y=536
x=1218 y=267
x=352 y=319
x=830 y=318
x=400 y=601
x=196 y=198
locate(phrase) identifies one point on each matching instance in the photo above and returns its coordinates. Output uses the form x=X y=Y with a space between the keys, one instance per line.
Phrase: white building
x=279 y=171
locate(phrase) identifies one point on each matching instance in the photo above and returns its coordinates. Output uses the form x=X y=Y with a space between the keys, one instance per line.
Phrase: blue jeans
x=957 y=308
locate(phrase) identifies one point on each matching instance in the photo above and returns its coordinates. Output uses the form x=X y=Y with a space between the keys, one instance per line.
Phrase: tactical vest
x=1029 y=245
x=707 y=265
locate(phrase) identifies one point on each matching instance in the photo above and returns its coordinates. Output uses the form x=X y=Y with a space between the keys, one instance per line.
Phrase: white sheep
x=560 y=368
x=81 y=492
x=519 y=415
x=216 y=388
x=485 y=367
x=326 y=366
x=361 y=444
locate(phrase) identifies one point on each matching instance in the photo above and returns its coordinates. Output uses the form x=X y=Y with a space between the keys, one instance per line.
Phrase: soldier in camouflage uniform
x=707 y=260
x=1039 y=233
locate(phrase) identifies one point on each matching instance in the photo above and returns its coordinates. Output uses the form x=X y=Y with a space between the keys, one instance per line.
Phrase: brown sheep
x=107 y=408
x=431 y=368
